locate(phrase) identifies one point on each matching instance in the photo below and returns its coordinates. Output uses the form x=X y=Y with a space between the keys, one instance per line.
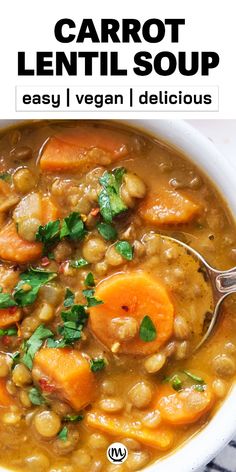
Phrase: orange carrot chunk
x=5 y=397
x=168 y=207
x=9 y=316
x=69 y=373
x=15 y=249
x=184 y=407
x=160 y=438
x=136 y=295
x=49 y=211
x=79 y=150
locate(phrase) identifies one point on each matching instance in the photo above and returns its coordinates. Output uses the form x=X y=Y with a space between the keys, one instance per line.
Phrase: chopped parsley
x=6 y=300
x=35 y=396
x=63 y=434
x=194 y=377
x=26 y=290
x=8 y=332
x=89 y=280
x=73 y=418
x=48 y=234
x=97 y=364
x=5 y=176
x=147 y=330
x=69 y=298
x=109 y=200
x=74 y=320
x=73 y=227
x=78 y=263
x=125 y=249
x=34 y=343
x=91 y=300
x=107 y=231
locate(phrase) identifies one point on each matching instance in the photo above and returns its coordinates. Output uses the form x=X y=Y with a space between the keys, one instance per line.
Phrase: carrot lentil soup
x=99 y=314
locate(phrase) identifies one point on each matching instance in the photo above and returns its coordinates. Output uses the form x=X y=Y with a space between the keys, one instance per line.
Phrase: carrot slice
x=5 y=397
x=168 y=207
x=160 y=438
x=71 y=151
x=15 y=249
x=8 y=198
x=70 y=374
x=9 y=316
x=50 y=212
x=133 y=294
x=183 y=407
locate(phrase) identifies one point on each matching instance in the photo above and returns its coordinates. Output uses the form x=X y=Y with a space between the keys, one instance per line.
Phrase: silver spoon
x=223 y=283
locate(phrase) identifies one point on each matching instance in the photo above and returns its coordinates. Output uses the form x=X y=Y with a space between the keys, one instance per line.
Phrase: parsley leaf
x=107 y=231
x=35 y=396
x=6 y=300
x=89 y=280
x=77 y=264
x=71 y=330
x=26 y=290
x=5 y=176
x=33 y=344
x=109 y=199
x=193 y=377
x=91 y=300
x=63 y=434
x=73 y=418
x=97 y=364
x=147 y=331
x=48 y=234
x=69 y=298
x=8 y=332
x=125 y=249
x=73 y=227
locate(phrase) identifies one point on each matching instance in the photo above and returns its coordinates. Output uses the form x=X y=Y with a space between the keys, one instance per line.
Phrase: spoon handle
x=225 y=281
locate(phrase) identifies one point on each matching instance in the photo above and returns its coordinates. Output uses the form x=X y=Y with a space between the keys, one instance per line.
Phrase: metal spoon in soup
x=218 y=284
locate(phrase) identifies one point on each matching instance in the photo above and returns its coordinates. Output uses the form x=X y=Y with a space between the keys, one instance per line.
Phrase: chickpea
x=98 y=441
x=46 y=312
x=24 y=180
x=82 y=458
x=126 y=197
x=181 y=350
x=62 y=251
x=64 y=447
x=125 y=328
x=11 y=418
x=5 y=364
x=152 y=419
x=53 y=294
x=38 y=462
x=137 y=460
x=94 y=250
x=27 y=228
x=108 y=387
x=155 y=363
x=135 y=186
x=224 y=366
x=24 y=398
x=47 y=423
x=113 y=258
x=111 y=405
x=140 y=395
x=219 y=388
x=181 y=328
x=21 y=375
x=101 y=268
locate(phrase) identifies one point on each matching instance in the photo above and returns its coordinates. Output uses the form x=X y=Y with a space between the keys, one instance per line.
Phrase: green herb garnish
x=77 y=264
x=97 y=364
x=89 y=280
x=73 y=227
x=26 y=290
x=91 y=300
x=33 y=344
x=69 y=298
x=73 y=418
x=35 y=396
x=74 y=320
x=109 y=199
x=48 y=234
x=6 y=300
x=63 y=434
x=147 y=330
x=194 y=377
x=8 y=332
x=5 y=176
x=107 y=231
x=125 y=249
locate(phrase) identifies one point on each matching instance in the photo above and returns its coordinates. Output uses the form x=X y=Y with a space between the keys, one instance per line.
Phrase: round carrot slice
x=183 y=407
x=134 y=295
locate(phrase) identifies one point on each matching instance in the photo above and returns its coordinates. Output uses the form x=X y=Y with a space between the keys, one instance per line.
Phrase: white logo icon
x=117 y=453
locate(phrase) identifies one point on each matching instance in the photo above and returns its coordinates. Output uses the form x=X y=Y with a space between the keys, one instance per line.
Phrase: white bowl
x=199 y=450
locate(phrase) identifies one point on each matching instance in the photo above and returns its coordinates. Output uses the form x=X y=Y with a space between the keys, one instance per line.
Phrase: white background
x=28 y=26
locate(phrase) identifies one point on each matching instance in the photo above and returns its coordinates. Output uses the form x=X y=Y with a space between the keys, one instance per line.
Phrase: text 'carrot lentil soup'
x=98 y=313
